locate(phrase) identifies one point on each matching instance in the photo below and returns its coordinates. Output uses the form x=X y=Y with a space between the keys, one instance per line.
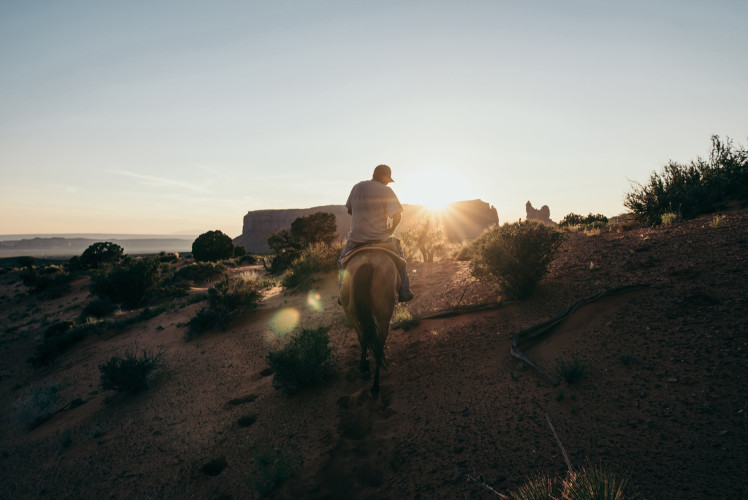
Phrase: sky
x=179 y=117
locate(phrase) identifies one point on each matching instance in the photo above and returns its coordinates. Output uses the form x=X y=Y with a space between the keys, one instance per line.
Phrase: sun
x=435 y=189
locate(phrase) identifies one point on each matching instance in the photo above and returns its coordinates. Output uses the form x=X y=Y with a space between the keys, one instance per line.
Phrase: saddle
x=387 y=247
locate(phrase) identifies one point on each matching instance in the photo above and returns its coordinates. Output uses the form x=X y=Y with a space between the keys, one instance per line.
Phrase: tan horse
x=368 y=293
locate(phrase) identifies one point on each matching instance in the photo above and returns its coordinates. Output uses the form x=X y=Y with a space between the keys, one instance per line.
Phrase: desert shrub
x=516 y=256
x=239 y=251
x=303 y=362
x=227 y=299
x=128 y=283
x=199 y=273
x=402 y=318
x=587 y=483
x=99 y=308
x=668 y=218
x=26 y=261
x=572 y=219
x=58 y=338
x=37 y=406
x=168 y=257
x=212 y=247
x=129 y=374
x=271 y=468
x=540 y=487
x=426 y=236
x=314 y=259
x=49 y=282
x=74 y=264
x=594 y=483
x=288 y=245
x=100 y=253
x=465 y=252
x=571 y=371
x=247 y=260
x=694 y=189
x=286 y=249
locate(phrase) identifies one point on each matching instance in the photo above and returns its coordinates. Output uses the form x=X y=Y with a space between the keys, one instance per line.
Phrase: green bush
x=199 y=273
x=303 y=362
x=129 y=283
x=129 y=374
x=212 y=247
x=690 y=190
x=227 y=299
x=668 y=218
x=314 y=259
x=516 y=256
x=100 y=253
x=590 y=221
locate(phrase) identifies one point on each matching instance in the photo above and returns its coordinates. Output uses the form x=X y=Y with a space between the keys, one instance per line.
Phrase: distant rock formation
x=543 y=215
x=462 y=220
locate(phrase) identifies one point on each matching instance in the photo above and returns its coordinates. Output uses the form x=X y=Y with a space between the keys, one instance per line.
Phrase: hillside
x=663 y=399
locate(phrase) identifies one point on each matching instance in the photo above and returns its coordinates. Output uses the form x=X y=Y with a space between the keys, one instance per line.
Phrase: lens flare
x=284 y=321
x=314 y=301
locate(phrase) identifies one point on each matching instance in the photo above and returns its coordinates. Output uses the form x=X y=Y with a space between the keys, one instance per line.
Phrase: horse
x=368 y=294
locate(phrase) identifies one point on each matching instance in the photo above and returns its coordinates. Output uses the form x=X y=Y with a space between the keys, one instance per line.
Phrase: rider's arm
x=395 y=222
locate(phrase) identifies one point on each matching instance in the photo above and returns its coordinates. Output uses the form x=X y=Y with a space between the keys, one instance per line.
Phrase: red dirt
x=663 y=399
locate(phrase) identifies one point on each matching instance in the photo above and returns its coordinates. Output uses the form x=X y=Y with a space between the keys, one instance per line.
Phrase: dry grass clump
x=129 y=374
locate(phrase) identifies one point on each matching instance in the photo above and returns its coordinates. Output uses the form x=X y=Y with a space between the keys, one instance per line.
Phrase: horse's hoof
x=365 y=374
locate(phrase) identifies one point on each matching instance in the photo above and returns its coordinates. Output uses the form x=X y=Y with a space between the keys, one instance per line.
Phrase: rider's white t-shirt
x=370 y=204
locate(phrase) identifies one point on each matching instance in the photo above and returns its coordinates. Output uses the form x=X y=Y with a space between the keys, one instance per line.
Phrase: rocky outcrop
x=543 y=215
x=462 y=220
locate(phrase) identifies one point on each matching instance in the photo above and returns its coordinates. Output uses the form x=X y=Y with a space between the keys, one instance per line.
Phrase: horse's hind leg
x=364 y=365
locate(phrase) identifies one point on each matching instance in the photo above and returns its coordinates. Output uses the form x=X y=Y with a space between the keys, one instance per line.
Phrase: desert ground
x=663 y=400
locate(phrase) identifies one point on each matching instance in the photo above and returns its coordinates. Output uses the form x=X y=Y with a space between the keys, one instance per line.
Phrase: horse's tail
x=362 y=297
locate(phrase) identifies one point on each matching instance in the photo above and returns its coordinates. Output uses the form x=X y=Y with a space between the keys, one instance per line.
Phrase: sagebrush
x=304 y=361
x=315 y=259
x=516 y=256
x=130 y=374
x=229 y=298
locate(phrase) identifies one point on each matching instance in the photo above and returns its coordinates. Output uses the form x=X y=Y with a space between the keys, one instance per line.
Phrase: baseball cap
x=383 y=172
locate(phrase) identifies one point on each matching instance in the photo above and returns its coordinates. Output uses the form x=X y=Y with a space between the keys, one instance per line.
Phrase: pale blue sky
x=181 y=116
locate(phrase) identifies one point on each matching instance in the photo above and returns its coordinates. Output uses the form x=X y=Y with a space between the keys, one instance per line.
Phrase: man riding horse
x=371 y=203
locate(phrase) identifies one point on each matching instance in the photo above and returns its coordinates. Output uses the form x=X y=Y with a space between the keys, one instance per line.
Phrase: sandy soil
x=663 y=399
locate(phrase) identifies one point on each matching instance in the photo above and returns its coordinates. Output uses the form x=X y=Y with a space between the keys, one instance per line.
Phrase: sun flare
x=435 y=189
